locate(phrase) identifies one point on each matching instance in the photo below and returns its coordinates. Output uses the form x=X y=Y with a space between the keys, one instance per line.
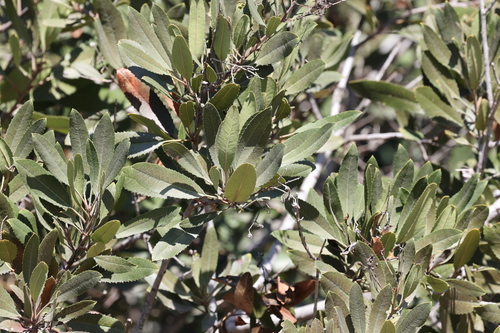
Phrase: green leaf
x=468 y=194
x=347 y=180
x=189 y=160
x=387 y=93
x=204 y=268
x=253 y=138
x=466 y=249
x=211 y=121
x=8 y=308
x=30 y=257
x=6 y=158
x=196 y=28
x=173 y=242
x=110 y=29
x=491 y=313
x=54 y=162
x=37 y=280
x=403 y=179
x=475 y=66
x=277 y=48
x=338 y=283
x=466 y=288
x=74 y=310
x=114 y=264
x=304 y=76
x=104 y=141
x=441 y=239
x=135 y=52
x=19 y=125
x=414 y=319
x=241 y=184
x=143 y=33
x=106 y=232
x=227 y=139
x=241 y=30
x=436 y=46
x=270 y=164
x=47 y=245
x=124 y=273
x=252 y=6
x=433 y=106
x=222 y=38
x=357 y=308
x=117 y=162
x=182 y=58
x=76 y=285
x=304 y=144
x=20 y=229
x=438 y=285
x=225 y=97
x=148 y=221
x=338 y=121
x=381 y=306
x=388 y=327
x=78 y=135
x=8 y=252
x=94 y=322
x=417 y=217
x=17 y=23
x=95 y=171
x=160 y=182
x=292 y=239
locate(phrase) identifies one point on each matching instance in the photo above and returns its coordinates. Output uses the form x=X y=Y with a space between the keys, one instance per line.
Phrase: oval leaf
x=241 y=184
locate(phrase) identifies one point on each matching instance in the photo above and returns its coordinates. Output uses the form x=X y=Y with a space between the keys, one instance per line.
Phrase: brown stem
x=151 y=297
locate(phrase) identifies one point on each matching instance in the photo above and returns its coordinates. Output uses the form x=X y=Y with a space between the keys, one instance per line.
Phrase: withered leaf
x=243 y=295
x=301 y=291
x=147 y=102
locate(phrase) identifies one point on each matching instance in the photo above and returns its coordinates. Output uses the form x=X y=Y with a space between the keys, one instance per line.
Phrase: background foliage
x=208 y=155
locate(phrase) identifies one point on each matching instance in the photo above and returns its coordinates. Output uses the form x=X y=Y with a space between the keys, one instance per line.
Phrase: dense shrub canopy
x=216 y=166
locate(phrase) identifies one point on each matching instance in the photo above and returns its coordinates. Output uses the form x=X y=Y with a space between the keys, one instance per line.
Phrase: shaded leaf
x=222 y=38
x=414 y=319
x=94 y=322
x=106 y=232
x=76 y=285
x=173 y=242
x=148 y=221
x=74 y=310
x=466 y=249
x=387 y=93
x=433 y=106
x=37 y=280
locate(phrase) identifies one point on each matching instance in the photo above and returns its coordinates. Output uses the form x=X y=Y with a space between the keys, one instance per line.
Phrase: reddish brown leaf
x=270 y=299
x=243 y=295
x=239 y=321
x=301 y=291
x=284 y=292
x=148 y=103
x=377 y=246
x=47 y=291
x=282 y=313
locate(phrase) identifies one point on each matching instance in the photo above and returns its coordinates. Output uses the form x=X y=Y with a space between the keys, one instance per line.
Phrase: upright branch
x=484 y=144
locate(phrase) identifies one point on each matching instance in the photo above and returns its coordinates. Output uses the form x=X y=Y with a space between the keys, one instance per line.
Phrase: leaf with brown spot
x=148 y=103
x=243 y=295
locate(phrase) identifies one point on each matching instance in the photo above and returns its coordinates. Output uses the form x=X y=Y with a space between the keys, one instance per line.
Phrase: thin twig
x=484 y=143
x=151 y=297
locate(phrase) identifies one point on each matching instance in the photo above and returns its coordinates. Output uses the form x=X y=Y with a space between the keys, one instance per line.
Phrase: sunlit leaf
x=241 y=184
x=277 y=48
